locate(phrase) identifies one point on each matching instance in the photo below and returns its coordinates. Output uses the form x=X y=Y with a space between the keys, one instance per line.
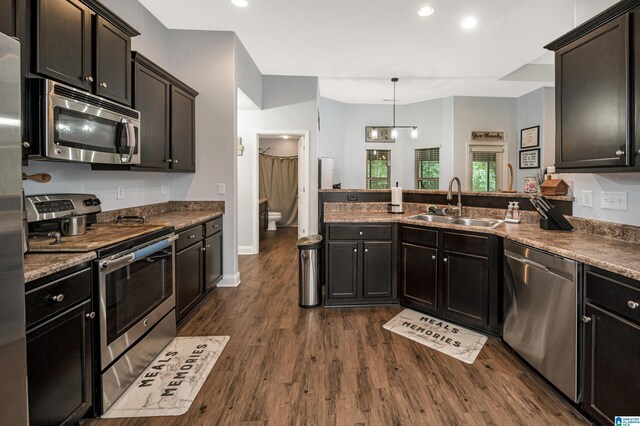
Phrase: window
x=427 y=168
x=485 y=174
x=378 y=169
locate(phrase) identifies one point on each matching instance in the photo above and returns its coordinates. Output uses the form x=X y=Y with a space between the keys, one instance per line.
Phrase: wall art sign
x=483 y=135
x=530 y=159
x=384 y=134
x=530 y=137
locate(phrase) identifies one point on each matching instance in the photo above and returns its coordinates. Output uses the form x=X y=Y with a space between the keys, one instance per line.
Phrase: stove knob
x=87 y=202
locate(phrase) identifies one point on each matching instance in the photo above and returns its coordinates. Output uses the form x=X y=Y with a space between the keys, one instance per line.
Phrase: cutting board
x=98 y=235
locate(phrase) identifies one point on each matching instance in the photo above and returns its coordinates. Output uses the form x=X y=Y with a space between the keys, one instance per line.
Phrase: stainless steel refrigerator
x=13 y=356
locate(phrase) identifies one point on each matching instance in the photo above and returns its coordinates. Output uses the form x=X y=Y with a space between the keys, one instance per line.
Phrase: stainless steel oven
x=73 y=125
x=136 y=293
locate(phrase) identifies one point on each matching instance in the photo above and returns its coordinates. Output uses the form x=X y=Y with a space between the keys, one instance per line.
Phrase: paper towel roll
x=396 y=200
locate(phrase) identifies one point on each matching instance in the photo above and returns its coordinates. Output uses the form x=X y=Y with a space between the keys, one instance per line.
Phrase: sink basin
x=488 y=223
x=433 y=218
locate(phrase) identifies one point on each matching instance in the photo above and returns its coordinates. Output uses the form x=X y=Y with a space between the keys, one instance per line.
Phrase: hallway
x=285 y=365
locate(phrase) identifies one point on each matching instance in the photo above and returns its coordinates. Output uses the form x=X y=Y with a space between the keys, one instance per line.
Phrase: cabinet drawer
x=420 y=236
x=360 y=232
x=56 y=296
x=212 y=227
x=188 y=237
x=466 y=243
x=614 y=294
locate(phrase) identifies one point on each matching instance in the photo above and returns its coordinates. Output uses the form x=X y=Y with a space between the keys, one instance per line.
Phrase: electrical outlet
x=120 y=195
x=614 y=201
x=587 y=198
x=221 y=188
x=165 y=189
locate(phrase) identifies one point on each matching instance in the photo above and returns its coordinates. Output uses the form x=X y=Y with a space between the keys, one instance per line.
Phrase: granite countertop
x=464 y=193
x=38 y=265
x=181 y=219
x=610 y=254
x=262 y=200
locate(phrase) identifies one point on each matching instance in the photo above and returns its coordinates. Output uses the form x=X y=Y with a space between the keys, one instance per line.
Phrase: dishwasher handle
x=537 y=265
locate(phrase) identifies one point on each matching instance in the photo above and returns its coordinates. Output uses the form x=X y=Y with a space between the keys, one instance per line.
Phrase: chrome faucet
x=450 y=194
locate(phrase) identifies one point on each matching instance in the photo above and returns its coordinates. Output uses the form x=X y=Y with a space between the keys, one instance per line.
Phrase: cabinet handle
x=91 y=315
x=619 y=152
x=633 y=305
x=26 y=145
x=366 y=250
x=203 y=249
x=585 y=319
x=355 y=250
x=360 y=232
x=216 y=226
x=445 y=260
x=58 y=298
x=208 y=246
x=433 y=257
x=168 y=160
x=89 y=79
x=192 y=236
x=103 y=84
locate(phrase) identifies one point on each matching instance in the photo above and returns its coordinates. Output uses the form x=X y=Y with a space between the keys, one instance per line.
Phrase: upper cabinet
x=596 y=72
x=9 y=23
x=78 y=43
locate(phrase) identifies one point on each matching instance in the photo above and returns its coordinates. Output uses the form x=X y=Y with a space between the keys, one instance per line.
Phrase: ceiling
x=356 y=46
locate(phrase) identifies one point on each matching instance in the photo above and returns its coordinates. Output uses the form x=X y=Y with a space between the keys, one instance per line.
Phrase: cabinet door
x=63 y=42
x=465 y=287
x=342 y=273
x=377 y=269
x=113 y=62
x=612 y=365
x=592 y=103
x=212 y=260
x=182 y=130
x=8 y=17
x=419 y=275
x=151 y=96
x=189 y=288
x=59 y=368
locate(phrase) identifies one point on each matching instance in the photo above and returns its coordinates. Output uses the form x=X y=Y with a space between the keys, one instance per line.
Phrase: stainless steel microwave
x=69 y=124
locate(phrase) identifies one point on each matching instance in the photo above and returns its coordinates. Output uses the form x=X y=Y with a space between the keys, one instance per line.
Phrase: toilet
x=273 y=218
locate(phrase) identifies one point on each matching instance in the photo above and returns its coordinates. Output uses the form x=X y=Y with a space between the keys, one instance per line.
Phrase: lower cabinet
x=452 y=274
x=361 y=264
x=263 y=219
x=198 y=264
x=611 y=324
x=59 y=349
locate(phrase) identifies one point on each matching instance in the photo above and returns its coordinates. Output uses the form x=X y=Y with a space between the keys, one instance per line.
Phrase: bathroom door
x=303 y=211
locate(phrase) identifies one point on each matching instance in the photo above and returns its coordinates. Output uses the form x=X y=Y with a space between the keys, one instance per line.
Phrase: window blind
x=486 y=168
x=378 y=169
x=426 y=174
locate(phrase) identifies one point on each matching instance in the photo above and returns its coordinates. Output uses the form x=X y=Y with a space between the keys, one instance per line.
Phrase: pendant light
x=394 y=128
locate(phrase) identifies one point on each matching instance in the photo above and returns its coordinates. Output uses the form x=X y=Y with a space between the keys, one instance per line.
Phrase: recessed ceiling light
x=469 y=22
x=285 y=137
x=426 y=11
x=240 y=3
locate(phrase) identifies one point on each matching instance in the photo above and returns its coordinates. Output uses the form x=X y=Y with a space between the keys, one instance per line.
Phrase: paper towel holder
x=395 y=207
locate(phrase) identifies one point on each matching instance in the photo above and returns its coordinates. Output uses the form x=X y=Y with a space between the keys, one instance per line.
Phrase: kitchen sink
x=433 y=218
x=465 y=221
x=487 y=223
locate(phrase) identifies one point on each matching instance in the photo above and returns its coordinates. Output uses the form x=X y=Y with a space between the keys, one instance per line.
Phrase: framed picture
x=530 y=137
x=530 y=159
x=384 y=134
x=483 y=135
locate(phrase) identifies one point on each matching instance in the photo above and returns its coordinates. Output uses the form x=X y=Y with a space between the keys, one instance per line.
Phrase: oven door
x=136 y=290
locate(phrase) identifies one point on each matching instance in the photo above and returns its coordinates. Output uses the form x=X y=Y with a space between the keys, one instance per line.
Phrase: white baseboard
x=243 y=250
x=230 y=280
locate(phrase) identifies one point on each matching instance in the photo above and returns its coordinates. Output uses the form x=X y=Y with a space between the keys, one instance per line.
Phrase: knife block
x=556 y=221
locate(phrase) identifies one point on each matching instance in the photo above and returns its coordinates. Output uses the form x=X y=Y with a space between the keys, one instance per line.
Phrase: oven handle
x=147 y=251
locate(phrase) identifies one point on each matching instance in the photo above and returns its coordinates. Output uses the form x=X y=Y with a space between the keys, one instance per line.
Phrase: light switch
x=221 y=188
x=614 y=201
x=587 y=198
x=120 y=194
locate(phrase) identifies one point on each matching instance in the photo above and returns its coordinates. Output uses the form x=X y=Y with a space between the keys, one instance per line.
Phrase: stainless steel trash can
x=309 y=290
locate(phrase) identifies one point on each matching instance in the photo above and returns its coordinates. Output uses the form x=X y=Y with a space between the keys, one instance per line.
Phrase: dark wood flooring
x=338 y=366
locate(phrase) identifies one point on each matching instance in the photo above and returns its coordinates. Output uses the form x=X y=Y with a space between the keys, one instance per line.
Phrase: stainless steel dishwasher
x=541 y=313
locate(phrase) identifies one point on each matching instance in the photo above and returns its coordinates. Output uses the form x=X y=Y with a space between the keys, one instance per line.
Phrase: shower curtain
x=279 y=183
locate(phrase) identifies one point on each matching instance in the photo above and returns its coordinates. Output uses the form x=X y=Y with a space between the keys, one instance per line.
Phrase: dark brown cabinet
x=453 y=274
x=611 y=324
x=263 y=219
x=596 y=72
x=113 y=62
x=199 y=258
x=189 y=288
x=59 y=349
x=361 y=264
x=76 y=44
x=9 y=18
x=183 y=116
